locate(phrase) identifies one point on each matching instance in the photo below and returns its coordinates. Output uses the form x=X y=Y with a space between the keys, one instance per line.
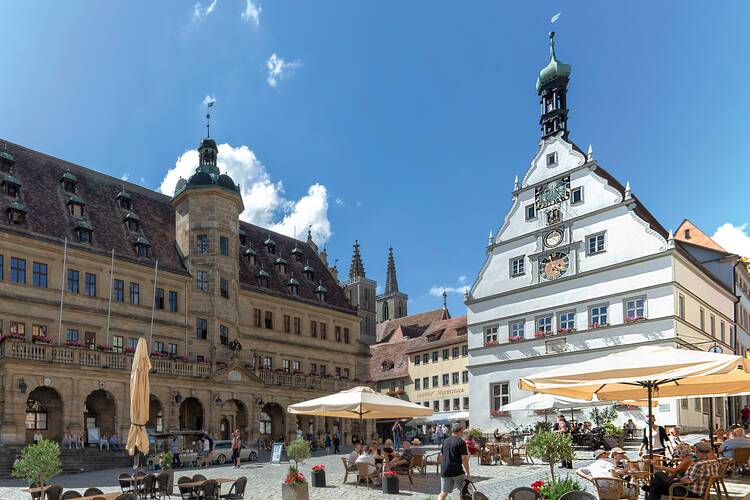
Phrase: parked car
x=222 y=452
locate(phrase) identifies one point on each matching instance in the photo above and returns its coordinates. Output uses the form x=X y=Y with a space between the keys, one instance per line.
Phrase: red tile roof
x=448 y=332
x=384 y=331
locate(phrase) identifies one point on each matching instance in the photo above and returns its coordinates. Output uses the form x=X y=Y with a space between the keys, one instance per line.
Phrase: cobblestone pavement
x=264 y=480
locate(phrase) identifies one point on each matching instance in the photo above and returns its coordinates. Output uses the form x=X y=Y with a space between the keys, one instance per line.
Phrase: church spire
x=391 y=282
x=357 y=269
x=552 y=87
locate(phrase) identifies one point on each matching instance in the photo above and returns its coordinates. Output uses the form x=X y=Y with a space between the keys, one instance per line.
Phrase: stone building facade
x=241 y=321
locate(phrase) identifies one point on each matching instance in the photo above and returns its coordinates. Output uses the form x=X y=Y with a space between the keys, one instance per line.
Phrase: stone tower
x=207 y=208
x=361 y=293
x=392 y=303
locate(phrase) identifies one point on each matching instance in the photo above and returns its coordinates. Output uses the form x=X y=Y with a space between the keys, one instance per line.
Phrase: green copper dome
x=554 y=69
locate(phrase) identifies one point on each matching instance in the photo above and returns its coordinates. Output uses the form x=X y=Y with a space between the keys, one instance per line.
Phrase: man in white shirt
x=601 y=467
x=367 y=458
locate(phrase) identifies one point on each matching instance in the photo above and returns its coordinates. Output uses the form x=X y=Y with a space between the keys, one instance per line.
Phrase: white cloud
x=125 y=176
x=265 y=201
x=339 y=201
x=279 y=69
x=209 y=99
x=143 y=181
x=733 y=238
x=252 y=12
x=200 y=12
x=461 y=288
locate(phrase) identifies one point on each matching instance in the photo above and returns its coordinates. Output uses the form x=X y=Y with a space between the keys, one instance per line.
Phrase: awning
x=439 y=418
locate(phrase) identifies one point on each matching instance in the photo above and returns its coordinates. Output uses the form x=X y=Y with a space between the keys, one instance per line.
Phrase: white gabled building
x=579 y=269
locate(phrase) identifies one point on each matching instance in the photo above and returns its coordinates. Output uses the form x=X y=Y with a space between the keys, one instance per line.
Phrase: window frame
x=513 y=324
x=604 y=305
x=18 y=270
x=74 y=283
x=595 y=237
x=502 y=395
x=517 y=266
x=490 y=334
x=550 y=159
x=39 y=274
x=526 y=209
x=644 y=307
x=561 y=321
x=573 y=192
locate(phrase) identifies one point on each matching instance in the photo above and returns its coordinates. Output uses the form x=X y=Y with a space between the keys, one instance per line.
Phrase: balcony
x=78 y=356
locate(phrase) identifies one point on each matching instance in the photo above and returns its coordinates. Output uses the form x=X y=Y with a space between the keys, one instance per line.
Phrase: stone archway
x=155 y=415
x=44 y=413
x=191 y=414
x=271 y=422
x=99 y=413
x=234 y=415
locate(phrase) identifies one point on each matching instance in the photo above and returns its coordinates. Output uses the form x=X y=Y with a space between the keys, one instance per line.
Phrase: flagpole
x=62 y=292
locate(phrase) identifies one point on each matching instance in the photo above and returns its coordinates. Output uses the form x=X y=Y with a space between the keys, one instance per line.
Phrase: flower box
x=319 y=476
x=516 y=339
x=490 y=343
x=129 y=350
x=594 y=326
x=298 y=372
x=498 y=413
x=13 y=336
x=103 y=348
x=182 y=357
x=159 y=354
x=634 y=319
x=390 y=483
x=563 y=331
x=297 y=491
x=41 y=339
x=74 y=343
x=540 y=334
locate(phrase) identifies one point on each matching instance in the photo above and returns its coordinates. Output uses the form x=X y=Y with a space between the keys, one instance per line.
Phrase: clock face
x=553 y=238
x=553 y=192
x=554 y=265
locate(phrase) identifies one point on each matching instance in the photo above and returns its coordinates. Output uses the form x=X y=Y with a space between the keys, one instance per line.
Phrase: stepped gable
x=48 y=217
x=441 y=333
x=385 y=330
x=277 y=283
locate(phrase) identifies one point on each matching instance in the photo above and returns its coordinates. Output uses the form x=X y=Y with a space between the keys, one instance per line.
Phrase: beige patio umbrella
x=646 y=372
x=359 y=402
x=140 y=393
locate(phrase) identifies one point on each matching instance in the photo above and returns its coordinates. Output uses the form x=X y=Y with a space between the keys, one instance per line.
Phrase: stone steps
x=73 y=461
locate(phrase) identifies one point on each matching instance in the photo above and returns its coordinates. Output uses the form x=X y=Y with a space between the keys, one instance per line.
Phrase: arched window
x=385 y=311
x=265 y=423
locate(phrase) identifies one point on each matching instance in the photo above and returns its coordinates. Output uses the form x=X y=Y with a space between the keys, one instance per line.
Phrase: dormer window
x=17 y=213
x=262 y=277
x=124 y=200
x=297 y=253
x=7 y=161
x=69 y=182
x=11 y=185
x=85 y=232
x=293 y=286
x=280 y=264
x=75 y=206
x=142 y=246
x=243 y=237
x=270 y=245
x=309 y=272
x=687 y=234
x=252 y=256
x=133 y=221
x=387 y=365
x=320 y=292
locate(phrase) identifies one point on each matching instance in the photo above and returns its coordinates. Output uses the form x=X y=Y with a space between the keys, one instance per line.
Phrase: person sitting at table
x=415 y=446
x=684 y=454
x=388 y=451
x=603 y=466
x=497 y=435
x=401 y=463
x=376 y=452
x=674 y=437
x=114 y=443
x=695 y=480
x=367 y=458
x=629 y=428
x=738 y=440
x=353 y=456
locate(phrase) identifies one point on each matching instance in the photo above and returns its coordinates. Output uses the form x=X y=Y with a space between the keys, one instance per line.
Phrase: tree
x=552 y=447
x=298 y=450
x=39 y=462
x=603 y=416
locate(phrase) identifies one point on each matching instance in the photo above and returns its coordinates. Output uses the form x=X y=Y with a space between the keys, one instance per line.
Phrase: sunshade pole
x=649 y=429
x=711 y=421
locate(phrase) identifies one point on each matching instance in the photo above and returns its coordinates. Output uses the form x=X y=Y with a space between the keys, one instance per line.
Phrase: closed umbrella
x=359 y=402
x=140 y=393
x=646 y=372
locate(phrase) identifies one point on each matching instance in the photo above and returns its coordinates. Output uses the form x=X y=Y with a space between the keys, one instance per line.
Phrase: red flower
x=537 y=485
x=390 y=473
x=319 y=467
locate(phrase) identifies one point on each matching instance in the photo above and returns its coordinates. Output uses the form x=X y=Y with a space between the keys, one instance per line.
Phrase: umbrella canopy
x=548 y=402
x=627 y=375
x=140 y=393
x=359 y=402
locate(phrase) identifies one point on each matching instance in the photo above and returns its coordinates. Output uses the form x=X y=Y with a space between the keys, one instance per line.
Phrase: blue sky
x=397 y=123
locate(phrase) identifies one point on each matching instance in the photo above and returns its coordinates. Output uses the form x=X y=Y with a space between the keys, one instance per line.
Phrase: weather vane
x=209 y=105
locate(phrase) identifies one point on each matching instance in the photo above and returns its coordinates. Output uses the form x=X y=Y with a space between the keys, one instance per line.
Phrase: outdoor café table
x=198 y=484
x=105 y=496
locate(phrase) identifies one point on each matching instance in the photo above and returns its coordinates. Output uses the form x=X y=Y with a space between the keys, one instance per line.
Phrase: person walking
x=336 y=440
x=236 y=448
x=327 y=443
x=396 y=433
x=658 y=436
x=174 y=447
x=454 y=470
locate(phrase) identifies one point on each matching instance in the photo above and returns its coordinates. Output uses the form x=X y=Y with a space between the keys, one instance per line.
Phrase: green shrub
x=541 y=426
x=39 y=463
x=166 y=459
x=612 y=430
x=552 y=447
x=475 y=433
x=299 y=451
x=601 y=416
x=555 y=488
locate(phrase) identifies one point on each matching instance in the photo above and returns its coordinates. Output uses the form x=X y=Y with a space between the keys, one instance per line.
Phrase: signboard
x=278 y=453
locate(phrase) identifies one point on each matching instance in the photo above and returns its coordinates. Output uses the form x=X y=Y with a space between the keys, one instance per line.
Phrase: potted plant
x=476 y=435
x=319 y=476
x=552 y=447
x=540 y=334
x=611 y=429
x=39 y=463
x=390 y=482
x=166 y=460
x=295 y=486
x=556 y=488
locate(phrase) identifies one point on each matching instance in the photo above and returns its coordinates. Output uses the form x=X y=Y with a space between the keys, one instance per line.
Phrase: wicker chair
x=186 y=492
x=522 y=453
x=53 y=492
x=162 y=485
x=524 y=493
x=237 y=491
x=70 y=494
x=363 y=473
x=578 y=495
x=418 y=463
x=741 y=458
x=126 y=484
x=90 y=492
x=126 y=496
x=719 y=485
x=613 y=488
x=347 y=468
x=435 y=459
x=675 y=495
x=210 y=490
x=406 y=470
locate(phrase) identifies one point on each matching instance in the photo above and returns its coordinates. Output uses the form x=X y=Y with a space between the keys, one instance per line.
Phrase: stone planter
x=390 y=485
x=295 y=492
x=318 y=479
